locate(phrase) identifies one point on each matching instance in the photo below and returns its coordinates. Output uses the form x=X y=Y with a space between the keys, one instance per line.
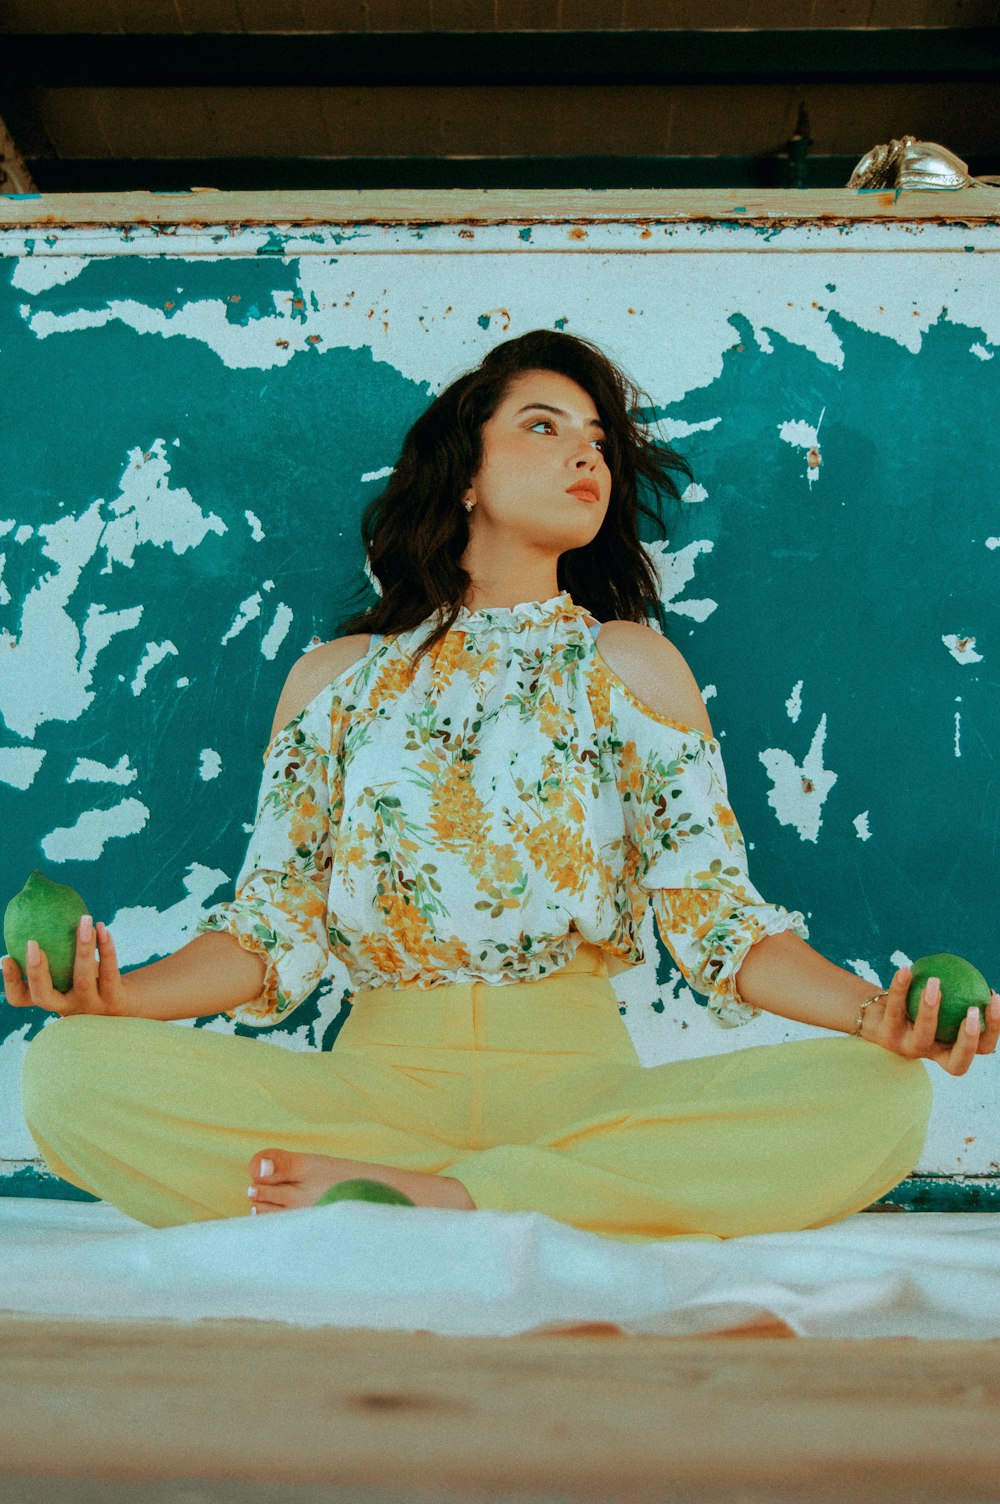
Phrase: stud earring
x=467 y=504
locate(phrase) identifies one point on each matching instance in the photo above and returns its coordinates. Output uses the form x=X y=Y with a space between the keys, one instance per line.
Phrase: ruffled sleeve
x=280 y=908
x=691 y=857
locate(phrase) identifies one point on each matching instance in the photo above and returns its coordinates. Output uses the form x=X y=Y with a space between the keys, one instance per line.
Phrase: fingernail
x=932 y=993
x=266 y=1169
x=33 y=953
x=85 y=924
x=972 y=1020
x=995 y=1006
x=252 y=1191
x=253 y=1211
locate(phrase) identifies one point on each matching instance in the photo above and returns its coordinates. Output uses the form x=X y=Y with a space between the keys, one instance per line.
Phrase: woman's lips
x=585 y=492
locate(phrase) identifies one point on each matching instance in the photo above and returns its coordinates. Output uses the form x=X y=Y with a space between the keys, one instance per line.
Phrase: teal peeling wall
x=188 y=444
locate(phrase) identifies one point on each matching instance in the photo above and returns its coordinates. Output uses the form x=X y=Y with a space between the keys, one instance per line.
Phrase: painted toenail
x=252 y=1191
x=266 y=1168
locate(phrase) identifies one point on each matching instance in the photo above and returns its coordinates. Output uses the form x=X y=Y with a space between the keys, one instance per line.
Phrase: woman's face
x=531 y=455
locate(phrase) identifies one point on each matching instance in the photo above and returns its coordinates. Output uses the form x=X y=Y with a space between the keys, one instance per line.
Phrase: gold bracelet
x=861 y=1013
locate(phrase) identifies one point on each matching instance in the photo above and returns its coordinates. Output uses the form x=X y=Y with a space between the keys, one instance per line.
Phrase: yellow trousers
x=532 y=1095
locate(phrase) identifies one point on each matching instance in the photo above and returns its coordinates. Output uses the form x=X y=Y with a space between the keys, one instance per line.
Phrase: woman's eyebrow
x=544 y=407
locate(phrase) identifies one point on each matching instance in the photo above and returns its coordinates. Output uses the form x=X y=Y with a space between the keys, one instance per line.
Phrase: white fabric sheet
x=484 y=1273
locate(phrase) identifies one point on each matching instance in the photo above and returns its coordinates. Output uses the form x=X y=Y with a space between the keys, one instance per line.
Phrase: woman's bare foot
x=297 y=1180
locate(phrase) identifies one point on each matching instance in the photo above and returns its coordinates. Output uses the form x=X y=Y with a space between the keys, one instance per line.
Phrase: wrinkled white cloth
x=485 y=1273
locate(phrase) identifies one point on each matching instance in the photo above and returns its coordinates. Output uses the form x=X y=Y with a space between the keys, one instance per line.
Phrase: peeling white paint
x=865 y=971
x=155 y=653
x=101 y=626
x=777 y=294
x=210 y=765
x=19 y=766
x=993 y=543
x=142 y=933
x=35 y=274
x=149 y=510
x=694 y=493
x=15 y=1140
x=247 y=611
x=981 y=351
x=675 y=571
x=676 y=428
x=798 y=793
x=962 y=649
x=87 y=770
x=804 y=436
x=43 y=674
x=277 y=631
x=256 y=529
x=958 y=733
x=85 y=841
x=861 y=826
x=794 y=702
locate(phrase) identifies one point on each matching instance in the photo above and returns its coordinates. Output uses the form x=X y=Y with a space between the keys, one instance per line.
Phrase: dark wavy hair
x=416 y=531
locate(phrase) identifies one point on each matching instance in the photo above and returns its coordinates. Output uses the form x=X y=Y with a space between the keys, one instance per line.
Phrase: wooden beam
x=976 y=205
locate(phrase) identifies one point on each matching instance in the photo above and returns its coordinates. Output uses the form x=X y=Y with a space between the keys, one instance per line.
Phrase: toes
x=279 y=1161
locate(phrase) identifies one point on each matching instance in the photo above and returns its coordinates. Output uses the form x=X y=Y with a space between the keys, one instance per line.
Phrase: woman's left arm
x=784 y=975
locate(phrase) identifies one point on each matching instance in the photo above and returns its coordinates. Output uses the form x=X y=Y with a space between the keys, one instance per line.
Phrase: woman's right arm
x=211 y=974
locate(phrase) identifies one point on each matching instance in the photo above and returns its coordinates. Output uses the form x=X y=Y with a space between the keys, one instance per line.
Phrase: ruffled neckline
x=524 y=614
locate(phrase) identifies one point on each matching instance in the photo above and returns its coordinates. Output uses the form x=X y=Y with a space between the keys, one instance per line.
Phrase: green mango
x=962 y=987
x=49 y=913
x=364 y=1190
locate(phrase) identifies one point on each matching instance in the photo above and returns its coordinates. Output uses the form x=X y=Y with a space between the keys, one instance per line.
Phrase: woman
x=470 y=798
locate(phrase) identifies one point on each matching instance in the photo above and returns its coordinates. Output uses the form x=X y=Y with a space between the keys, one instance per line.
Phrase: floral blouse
x=479 y=817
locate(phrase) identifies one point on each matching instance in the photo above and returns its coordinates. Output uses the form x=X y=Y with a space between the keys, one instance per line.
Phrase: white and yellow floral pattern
x=476 y=819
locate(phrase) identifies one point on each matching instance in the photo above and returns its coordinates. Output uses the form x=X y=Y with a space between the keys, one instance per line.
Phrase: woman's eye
x=549 y=423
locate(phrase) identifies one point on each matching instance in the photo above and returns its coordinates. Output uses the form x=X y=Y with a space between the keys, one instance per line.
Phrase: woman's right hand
x=97 y=988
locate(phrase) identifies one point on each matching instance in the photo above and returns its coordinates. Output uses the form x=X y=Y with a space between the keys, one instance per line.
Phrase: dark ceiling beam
x=468 y=59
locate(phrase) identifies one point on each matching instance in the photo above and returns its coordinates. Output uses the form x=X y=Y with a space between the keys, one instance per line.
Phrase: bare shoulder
x=655 y=671
x=316 y=669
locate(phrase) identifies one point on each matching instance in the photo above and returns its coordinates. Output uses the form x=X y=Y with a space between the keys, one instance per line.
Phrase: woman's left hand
x=894 y=1030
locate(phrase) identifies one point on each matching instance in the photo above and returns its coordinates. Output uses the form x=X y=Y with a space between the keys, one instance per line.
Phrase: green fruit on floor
x=365 y=1190
x=962 y=987
x=49 y=913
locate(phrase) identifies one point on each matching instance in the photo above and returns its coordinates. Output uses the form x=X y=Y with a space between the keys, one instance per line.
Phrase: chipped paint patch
x=247 y=611
x=154 y=654
x=88 y=770
x=143 y=932
x=87 y=838
x=675 y=571
x=804 y=436
x=861 y=825
x=798 y=791
x=19 y=765
x=276 y=633
x=209 y=765
x=962 y=649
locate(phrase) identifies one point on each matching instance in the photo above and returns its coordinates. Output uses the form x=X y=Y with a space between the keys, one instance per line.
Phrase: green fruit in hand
x=49 y=913
x=364 y=1190
x=962 y=987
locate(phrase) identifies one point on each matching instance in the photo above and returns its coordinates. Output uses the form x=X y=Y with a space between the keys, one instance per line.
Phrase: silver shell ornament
x=909 y=163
